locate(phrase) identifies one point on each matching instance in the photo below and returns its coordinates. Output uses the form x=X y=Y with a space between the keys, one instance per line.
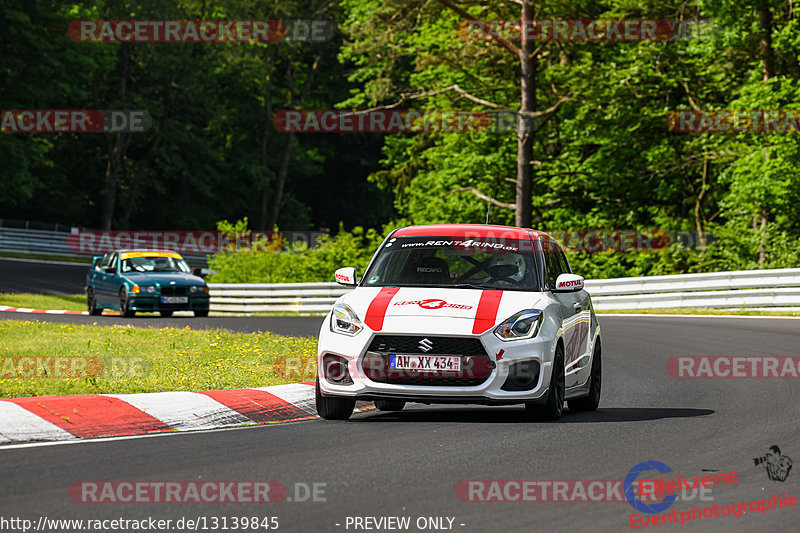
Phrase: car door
x=99 y=279
x=583 y=309
x=107 y=285
x=570 y=309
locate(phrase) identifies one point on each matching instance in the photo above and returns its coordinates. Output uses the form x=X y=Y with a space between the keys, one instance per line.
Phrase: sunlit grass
x=149 y=359
x=66 y=302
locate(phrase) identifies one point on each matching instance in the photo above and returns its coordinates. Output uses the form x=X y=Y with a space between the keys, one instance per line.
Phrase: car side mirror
x=346 y=276
x=569 y=283
x=198 y=272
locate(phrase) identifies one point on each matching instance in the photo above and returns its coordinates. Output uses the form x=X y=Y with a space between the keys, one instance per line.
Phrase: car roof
x=140 y=250
x=470 y=231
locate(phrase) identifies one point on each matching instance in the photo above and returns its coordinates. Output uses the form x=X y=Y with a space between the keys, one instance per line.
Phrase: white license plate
x=174 y=299
x=427 y=363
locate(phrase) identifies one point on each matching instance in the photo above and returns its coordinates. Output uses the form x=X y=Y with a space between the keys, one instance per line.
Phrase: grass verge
x=66 y=302
x=697 y=311
x=35 y=357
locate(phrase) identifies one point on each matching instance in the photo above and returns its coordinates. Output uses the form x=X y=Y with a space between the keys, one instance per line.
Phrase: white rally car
x=461 y=314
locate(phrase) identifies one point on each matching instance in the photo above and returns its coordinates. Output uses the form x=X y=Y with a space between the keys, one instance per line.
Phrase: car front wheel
x=91 y=303
x=554 y=407
x=332 y=408
x=124 y=305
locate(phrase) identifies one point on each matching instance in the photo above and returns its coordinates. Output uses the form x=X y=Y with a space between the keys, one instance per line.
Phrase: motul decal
x=377 y=308
x=487 y=311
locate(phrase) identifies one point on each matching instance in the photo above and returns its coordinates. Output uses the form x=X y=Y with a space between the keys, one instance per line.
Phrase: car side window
x=551 y=262
x=104 y=261
x=113 y=263
x=562 y=260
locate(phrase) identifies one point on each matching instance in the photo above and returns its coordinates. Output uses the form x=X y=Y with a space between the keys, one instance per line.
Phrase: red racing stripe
x=487 y=311
x=92 y=415
x=257 y=405
x=377 y=308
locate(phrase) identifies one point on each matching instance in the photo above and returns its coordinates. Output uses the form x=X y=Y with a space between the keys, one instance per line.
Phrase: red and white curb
x=60 y=418
x=45 y=311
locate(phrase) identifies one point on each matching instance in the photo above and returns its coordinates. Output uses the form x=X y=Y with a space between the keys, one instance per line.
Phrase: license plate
x=435 y=363
x=174 y=299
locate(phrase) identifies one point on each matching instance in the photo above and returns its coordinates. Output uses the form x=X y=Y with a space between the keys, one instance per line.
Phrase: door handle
x=577 y=307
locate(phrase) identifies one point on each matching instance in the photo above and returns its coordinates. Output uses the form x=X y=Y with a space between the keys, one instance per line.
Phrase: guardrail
x=299 y=298
x=752 y=289
x=45 y=242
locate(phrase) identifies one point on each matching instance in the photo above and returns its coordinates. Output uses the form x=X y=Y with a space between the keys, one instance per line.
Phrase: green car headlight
x=151 y=289
x=522 y=325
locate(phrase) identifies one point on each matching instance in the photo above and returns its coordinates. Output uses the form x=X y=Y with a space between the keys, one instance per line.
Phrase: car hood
x=468 y=311
x=163 y=278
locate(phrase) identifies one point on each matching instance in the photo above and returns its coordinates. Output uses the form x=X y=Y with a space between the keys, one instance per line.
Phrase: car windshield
x=454 y=262
x=154 y=263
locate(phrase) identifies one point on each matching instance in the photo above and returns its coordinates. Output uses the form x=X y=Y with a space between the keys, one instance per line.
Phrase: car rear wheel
x=165 y=314
x=124 y=305
x=389 y=405
x=201 y=314
x=554 y=407
x=332 y=408
x=91 y=303
x=590 y=402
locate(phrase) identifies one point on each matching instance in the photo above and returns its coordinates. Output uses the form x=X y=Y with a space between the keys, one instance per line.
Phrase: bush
x=297 y=263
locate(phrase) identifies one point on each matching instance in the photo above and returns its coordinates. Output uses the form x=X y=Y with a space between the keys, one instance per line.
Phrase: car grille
x=410 y=344
x=476 y=367
x=173 y=291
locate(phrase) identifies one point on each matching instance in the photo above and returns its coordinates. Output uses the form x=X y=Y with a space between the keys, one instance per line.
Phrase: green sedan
x=144 y=280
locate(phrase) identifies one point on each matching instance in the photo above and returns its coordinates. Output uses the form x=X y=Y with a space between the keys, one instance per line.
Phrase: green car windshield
x=155 y=264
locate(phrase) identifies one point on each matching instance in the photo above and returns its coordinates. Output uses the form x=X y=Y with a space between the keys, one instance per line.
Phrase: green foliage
x=298 y=263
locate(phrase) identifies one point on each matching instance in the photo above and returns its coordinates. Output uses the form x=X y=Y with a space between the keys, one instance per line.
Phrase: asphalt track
x=41 y=277
x=410 y=463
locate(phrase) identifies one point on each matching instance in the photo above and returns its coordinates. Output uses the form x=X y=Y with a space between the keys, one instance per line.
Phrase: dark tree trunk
x=525 y=129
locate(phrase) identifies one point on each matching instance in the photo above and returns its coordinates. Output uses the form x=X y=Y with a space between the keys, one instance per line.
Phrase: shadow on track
x=516 y=415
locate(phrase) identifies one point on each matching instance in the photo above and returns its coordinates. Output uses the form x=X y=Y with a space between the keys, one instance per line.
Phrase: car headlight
x=523 y=325
x=345 y=321
x=152 y=289
x=198 y=288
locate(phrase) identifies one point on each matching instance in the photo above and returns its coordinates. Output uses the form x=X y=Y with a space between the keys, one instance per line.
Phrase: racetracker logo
x=698 y=366
x=200 y=31
x=546 y=490
x=394 y=121
x=74 y=121
x=188 y=242
x=194 y=492
x=736 y=121
x=77 y=367
x=582 y=30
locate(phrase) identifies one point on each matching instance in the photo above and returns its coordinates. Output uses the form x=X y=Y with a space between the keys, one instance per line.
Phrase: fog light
x=335 y=370
x=522 y=376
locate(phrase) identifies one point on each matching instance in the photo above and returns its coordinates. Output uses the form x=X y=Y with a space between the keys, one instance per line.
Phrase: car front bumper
x=153 y=303
x=502 y=359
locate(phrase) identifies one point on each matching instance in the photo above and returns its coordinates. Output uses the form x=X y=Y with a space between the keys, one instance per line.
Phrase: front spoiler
x=428 y=400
